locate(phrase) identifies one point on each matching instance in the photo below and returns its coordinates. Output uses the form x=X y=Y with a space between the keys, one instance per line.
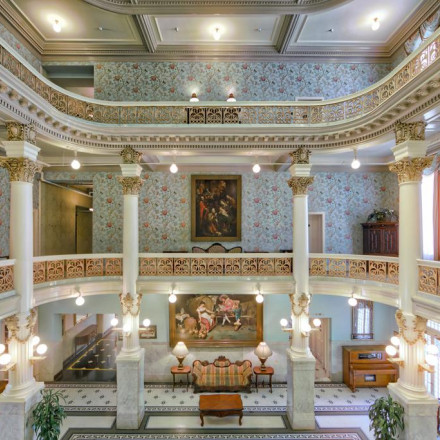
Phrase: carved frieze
x=411 y=327
x=130 y=185
x=410 y=170
x=300 y=185
x=129 y=304
x=299 y=304
x=20 y=169
x=300 y=156
x=130 y=155
x=20 y=132
x=21 y=332
x=413 y=131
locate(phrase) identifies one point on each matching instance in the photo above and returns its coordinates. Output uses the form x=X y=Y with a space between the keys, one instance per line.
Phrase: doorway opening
x=320 y=348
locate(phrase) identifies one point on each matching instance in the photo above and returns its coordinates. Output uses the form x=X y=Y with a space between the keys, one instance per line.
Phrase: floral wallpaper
x=5 y=194
x=249 y=81
x=19 y=47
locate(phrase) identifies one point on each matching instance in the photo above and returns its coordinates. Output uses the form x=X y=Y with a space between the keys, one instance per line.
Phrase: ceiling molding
x=162 y=7
x=291 y=27
x=146 y=30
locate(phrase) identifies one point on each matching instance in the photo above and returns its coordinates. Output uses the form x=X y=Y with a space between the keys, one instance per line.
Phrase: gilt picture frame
x=215 y=208
x=202 y=320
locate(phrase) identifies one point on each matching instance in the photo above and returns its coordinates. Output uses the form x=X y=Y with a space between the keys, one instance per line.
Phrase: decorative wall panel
x=4 y=212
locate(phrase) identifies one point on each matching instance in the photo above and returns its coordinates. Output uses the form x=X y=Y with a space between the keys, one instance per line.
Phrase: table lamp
x=180 y=351
x=263 y=352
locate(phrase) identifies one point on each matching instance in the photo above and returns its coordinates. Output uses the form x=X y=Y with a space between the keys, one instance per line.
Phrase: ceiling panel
x=352 y=22
x=248 y=29
x=80 y=22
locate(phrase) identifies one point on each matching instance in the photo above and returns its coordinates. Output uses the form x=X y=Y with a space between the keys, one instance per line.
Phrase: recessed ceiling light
x=376 y=24
x=100 y=28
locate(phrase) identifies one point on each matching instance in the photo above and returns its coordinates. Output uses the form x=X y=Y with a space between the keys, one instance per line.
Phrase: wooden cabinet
x=381 y=238
x=367 y=366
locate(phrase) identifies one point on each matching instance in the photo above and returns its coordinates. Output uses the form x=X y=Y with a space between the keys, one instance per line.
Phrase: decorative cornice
x=21 y=332
x=20 y=169
x=411 y=327
x=410 y=170
x=130 y=306
x=130 y=185
x=413 y=131
x=299 y=304
x=300 y=156
x=130 y=155
x=21 y=132
x=300 y=185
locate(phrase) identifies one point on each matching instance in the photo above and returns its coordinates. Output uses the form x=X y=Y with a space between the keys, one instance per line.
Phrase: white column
x=130 y=360
x=300 y=361
x=410 y=391
x=22 y=391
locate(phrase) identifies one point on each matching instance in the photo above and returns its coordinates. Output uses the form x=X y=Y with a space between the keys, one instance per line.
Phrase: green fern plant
x=48 y=415
x=386 y=418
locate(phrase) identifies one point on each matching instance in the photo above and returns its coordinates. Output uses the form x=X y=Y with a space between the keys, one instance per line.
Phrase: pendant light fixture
x=75 y=164
x=355 y=164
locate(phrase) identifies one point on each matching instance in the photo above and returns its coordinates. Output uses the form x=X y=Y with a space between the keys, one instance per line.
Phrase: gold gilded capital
x=130 y=185
x=299 y=185
x=300 y=156
x=411 y=327
x=21 y=132
x=413 y=131
x=130 y=156
x=410 y=170
x=20 y=169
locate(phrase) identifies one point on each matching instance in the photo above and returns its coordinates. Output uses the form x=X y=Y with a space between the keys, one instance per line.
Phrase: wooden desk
x=185 y=370
x=85 y=336
x=221 y=405
x=267 y=372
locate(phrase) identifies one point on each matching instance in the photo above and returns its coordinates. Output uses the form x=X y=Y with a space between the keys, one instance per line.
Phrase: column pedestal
x=420 y=413
x=301 y=390
x=130 y=391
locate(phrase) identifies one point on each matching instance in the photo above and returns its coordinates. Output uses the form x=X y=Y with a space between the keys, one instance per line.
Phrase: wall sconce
x=172 y=298
x=263 y=352
x=6 y=363
x=306 y=328
x=392 y=351
x=259 y=297
x=126 y=329
x=40 y=349
x=180 y=351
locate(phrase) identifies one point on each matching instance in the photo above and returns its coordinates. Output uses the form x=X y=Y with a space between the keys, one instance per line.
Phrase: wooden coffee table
x=221 y=405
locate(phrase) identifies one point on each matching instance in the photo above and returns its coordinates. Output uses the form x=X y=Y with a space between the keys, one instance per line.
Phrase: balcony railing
x=429 y=277
x=333 y=111
x=6 y=275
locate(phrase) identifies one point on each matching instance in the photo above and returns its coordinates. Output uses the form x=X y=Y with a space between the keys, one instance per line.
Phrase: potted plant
x=386 y=418
x=48 y=415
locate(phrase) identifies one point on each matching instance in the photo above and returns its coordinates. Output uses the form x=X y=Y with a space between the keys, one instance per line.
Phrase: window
x=362 y=320
x=432 y=380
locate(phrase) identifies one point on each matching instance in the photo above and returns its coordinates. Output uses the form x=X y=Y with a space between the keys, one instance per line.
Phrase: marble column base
x=130 y=389
x=420 y=413
x=16 y=414
x=301 y=390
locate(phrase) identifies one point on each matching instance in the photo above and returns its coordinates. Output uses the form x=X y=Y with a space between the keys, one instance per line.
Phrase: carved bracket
x=411 y=327
x=299 y=305
x=300 y=156
x=414 y=131
x=21 y=132
x=130 y=155
x=19 y=332
x=129 y=304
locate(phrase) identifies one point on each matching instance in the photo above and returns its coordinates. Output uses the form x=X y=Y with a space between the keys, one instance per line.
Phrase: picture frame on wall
x=230 y=320
x=215 y=208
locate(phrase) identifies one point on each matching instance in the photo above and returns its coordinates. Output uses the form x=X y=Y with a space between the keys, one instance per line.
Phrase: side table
x=268 y=371
x=185 y=370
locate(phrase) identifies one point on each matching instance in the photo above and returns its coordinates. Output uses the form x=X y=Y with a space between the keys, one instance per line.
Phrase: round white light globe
x=41 y=349
x=5 y=359
x=283 y=322
x=432 y=349
x=2 y=348
x=75 y=164
x=431 y=360
x=146 y=322
x=306 y=327
x=352 y=302
x=173 y=168
x=391 y=350
x=256 y=168
x=317 y=322
x=172 y=298
x=126 y=328
x=79 y=301
x=355 y=164
x=114 y=322
x=35 y=340
x=395 y=340
x=259 y=298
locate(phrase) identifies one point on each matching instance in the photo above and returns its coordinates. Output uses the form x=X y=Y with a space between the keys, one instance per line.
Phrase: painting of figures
x=216 y=320
x=215 y=208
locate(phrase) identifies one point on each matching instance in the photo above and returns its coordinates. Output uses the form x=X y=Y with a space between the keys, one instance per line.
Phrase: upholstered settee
x=222 y=375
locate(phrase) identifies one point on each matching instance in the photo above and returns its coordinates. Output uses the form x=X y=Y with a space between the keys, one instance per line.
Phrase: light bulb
x=376 y=24
x=35 y=340
x=395 y=340
x=306 y=327
x=2 y=348
x=283 y=322
x=317 y=322
x=432 y=349
x=172 y=298
x=431 y=359
x=194 y=98
x=355 y=164
x=5 y=359
x=352 y=302
x=75 y=164
x=173 y=168
x=231 y=98
x=216 y=34
x=79 y=301
x=259 y=298
x=391 y=350
x=56 y=25
x=256 y=168
x=41 y=349
x=114 y=322
x=146 y=322
x=126 y=328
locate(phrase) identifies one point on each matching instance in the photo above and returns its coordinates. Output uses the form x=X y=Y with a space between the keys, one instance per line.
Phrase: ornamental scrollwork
x=129 y=304
x=18 y=332
x=20 y=132
x=20 y=169
x=300 y=185
x=299 y=304
x=130 y=185
x=130 y=156
x=410 y=170
x=413 y=131
x=411 y=327
x=300 y=156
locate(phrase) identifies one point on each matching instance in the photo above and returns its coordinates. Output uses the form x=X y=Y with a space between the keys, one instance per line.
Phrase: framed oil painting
x=216 y=320
x=215 y=208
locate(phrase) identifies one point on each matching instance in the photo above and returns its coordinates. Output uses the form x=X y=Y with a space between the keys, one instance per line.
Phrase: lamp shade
x=263 y=351
x=180 y=350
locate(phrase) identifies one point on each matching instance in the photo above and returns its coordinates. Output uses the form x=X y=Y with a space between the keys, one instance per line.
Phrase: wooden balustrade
x=6 y=275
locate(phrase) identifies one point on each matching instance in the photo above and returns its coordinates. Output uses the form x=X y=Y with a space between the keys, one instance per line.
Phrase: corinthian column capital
x=20 y=327
x=21 y=132
x=20 y=169
x=410 y=170
x=413 y=131
x=130 y=185
x=411 y=327
x=300 y=185
x=299 y=304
